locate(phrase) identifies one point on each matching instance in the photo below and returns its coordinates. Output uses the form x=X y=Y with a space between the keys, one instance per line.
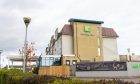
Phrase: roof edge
x=86 y=21
x=110 y=36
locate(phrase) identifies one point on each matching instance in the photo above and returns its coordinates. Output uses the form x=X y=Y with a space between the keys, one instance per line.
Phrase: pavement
x=136 y=80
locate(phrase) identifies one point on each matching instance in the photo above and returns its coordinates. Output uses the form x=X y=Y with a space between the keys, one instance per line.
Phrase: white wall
x=67 y=45
x=58 y=46
x=133 y=71
x=101 y=73
x=110 y=51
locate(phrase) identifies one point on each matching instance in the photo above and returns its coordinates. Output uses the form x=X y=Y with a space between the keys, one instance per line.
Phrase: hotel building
x=84 y=41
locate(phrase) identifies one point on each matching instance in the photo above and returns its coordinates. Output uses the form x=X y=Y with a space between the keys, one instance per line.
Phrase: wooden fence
x=60 y=71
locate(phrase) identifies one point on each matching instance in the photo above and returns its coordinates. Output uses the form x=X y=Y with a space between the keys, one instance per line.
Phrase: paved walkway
x=136 y=80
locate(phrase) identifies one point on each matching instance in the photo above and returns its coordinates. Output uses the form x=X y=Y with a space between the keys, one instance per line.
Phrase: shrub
x=34 y=79
x=77 y=81
x=16 y=76
x=35 y=70
x=12 y=76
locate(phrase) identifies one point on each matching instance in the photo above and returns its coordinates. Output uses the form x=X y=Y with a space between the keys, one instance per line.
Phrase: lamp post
x=0 y=58
x=129 y=56
x=27 y=20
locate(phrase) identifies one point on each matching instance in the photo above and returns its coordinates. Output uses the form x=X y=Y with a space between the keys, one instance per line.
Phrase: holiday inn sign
x=87 y=29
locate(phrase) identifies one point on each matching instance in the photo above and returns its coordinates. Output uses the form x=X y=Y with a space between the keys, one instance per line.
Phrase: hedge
x=16 y=76
x=77 y=81
x=13 y=76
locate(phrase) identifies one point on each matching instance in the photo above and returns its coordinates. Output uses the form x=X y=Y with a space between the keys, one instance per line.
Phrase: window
x=98 y=42
x=99 y=52
x=67 y=62
x=74 y=62
x=57 y=61
x=43 y=62
x=98 y=32
x=98 y=36
x=49 y=61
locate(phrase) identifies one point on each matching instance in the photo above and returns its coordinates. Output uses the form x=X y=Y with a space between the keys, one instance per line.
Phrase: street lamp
x=27 y=20
x=129 y=56
x=0 y=58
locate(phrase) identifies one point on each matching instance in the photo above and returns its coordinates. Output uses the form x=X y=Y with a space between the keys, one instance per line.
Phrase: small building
x=132 y=57
x=49 y=60
x=84 y=41
x=15 y=61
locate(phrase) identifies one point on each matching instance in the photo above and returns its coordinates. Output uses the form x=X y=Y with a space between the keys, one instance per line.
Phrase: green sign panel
x=136 y=66
x=87 y=29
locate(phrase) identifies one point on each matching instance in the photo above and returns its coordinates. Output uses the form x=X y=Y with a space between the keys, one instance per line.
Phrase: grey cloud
x=10 y=44
x=21 y=4
x=47 y=15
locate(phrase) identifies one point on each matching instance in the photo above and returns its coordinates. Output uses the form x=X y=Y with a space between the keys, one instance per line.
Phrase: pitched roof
x=106 y=32
x=67 y=30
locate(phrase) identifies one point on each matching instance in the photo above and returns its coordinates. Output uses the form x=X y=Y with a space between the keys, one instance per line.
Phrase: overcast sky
x=47 y=15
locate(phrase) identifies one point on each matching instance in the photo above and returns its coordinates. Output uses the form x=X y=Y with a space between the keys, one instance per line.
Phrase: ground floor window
x=67 y=62
x=49 y=61
x=74 y=62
